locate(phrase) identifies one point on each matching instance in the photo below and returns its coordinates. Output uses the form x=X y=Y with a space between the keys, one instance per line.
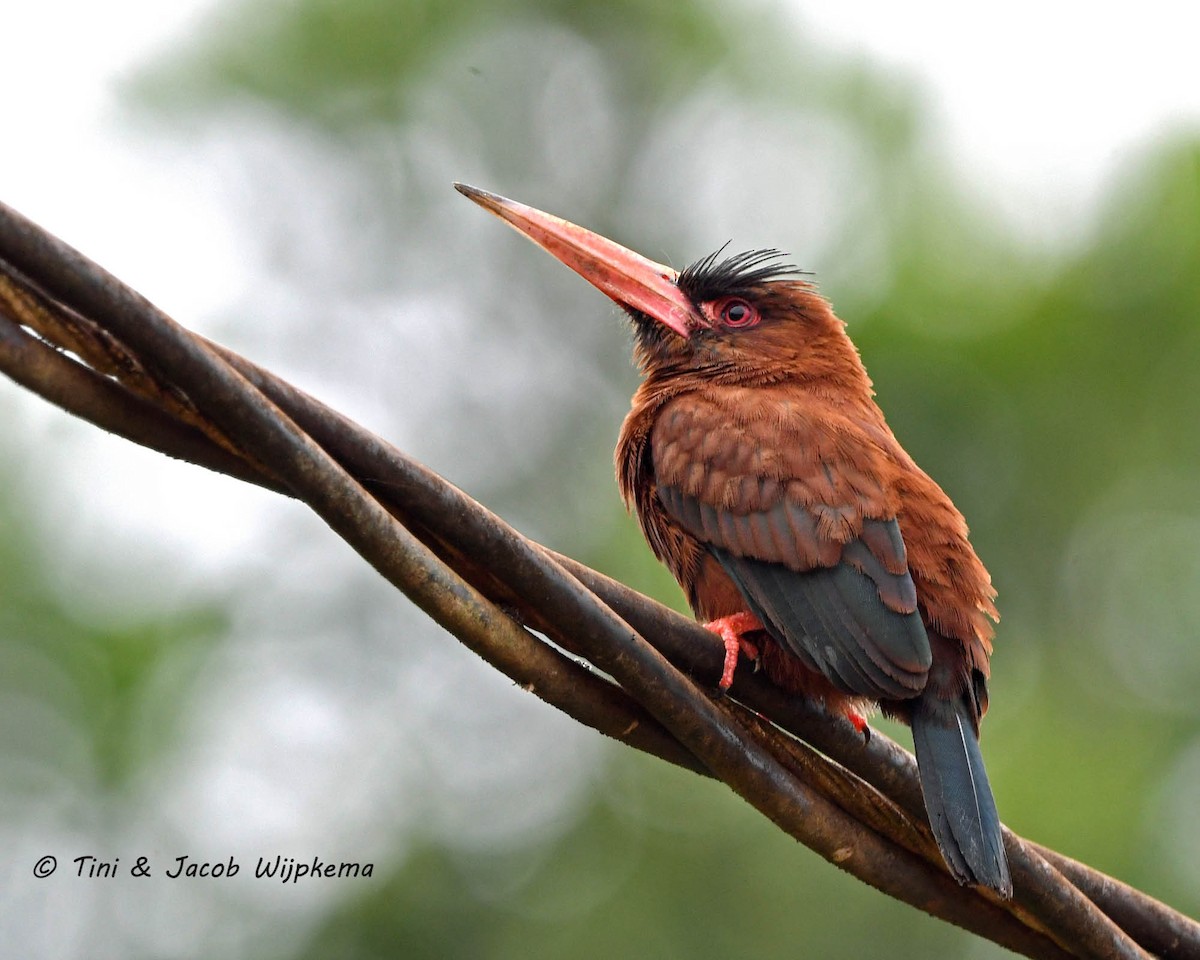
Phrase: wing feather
x=838 y=607
x=790 y=500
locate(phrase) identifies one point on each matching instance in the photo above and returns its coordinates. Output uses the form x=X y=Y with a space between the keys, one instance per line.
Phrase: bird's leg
x=731 y=629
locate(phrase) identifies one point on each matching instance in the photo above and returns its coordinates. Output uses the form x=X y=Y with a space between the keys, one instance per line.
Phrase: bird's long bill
x=627 y=277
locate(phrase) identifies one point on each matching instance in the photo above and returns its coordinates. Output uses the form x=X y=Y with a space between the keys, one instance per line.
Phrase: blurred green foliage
x=1054 y=392
x=88 y=701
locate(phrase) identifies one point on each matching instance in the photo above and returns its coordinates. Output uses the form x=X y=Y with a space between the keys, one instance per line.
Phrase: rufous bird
x=766 y=479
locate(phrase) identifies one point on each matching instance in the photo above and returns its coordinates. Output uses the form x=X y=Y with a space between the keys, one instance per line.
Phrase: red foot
x=859 y=723
x=730 y=630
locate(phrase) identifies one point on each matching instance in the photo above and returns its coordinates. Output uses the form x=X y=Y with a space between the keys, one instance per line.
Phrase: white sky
x=1041 y=99
x=70 y=165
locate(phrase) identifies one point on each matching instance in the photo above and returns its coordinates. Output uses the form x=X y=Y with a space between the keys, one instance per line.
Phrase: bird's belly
x=786 y=671
x=712 y=593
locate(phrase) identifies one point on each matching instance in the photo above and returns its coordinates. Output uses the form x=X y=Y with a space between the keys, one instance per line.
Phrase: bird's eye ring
x=738 y=314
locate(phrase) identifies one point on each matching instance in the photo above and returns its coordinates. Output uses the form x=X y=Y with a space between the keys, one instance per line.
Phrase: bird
x=764 y=476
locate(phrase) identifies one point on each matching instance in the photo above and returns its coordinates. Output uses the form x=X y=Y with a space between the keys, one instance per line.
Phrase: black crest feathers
x=712 y=277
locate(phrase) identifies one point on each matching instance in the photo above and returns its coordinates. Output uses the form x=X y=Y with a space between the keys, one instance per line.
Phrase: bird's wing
x=817 y=554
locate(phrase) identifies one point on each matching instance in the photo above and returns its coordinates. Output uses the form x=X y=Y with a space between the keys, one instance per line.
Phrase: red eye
x=737 y=313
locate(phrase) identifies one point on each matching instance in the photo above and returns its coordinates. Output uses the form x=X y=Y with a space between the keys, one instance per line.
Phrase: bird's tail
x=958 y=797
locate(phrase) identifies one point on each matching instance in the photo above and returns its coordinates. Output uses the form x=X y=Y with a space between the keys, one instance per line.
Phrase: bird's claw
x=731 y=630
x=859 y=723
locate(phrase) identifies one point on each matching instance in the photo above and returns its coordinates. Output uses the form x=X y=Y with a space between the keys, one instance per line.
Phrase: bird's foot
x=859 y=723
x=731 y=629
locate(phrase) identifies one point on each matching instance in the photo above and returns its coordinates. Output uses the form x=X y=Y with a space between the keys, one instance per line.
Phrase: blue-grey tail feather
x=958 y=797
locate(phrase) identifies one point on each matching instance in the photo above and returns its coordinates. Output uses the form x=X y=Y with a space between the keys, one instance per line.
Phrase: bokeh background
x=1006 y=209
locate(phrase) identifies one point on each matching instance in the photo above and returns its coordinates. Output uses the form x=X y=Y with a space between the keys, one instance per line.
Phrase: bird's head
x=744 y=319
